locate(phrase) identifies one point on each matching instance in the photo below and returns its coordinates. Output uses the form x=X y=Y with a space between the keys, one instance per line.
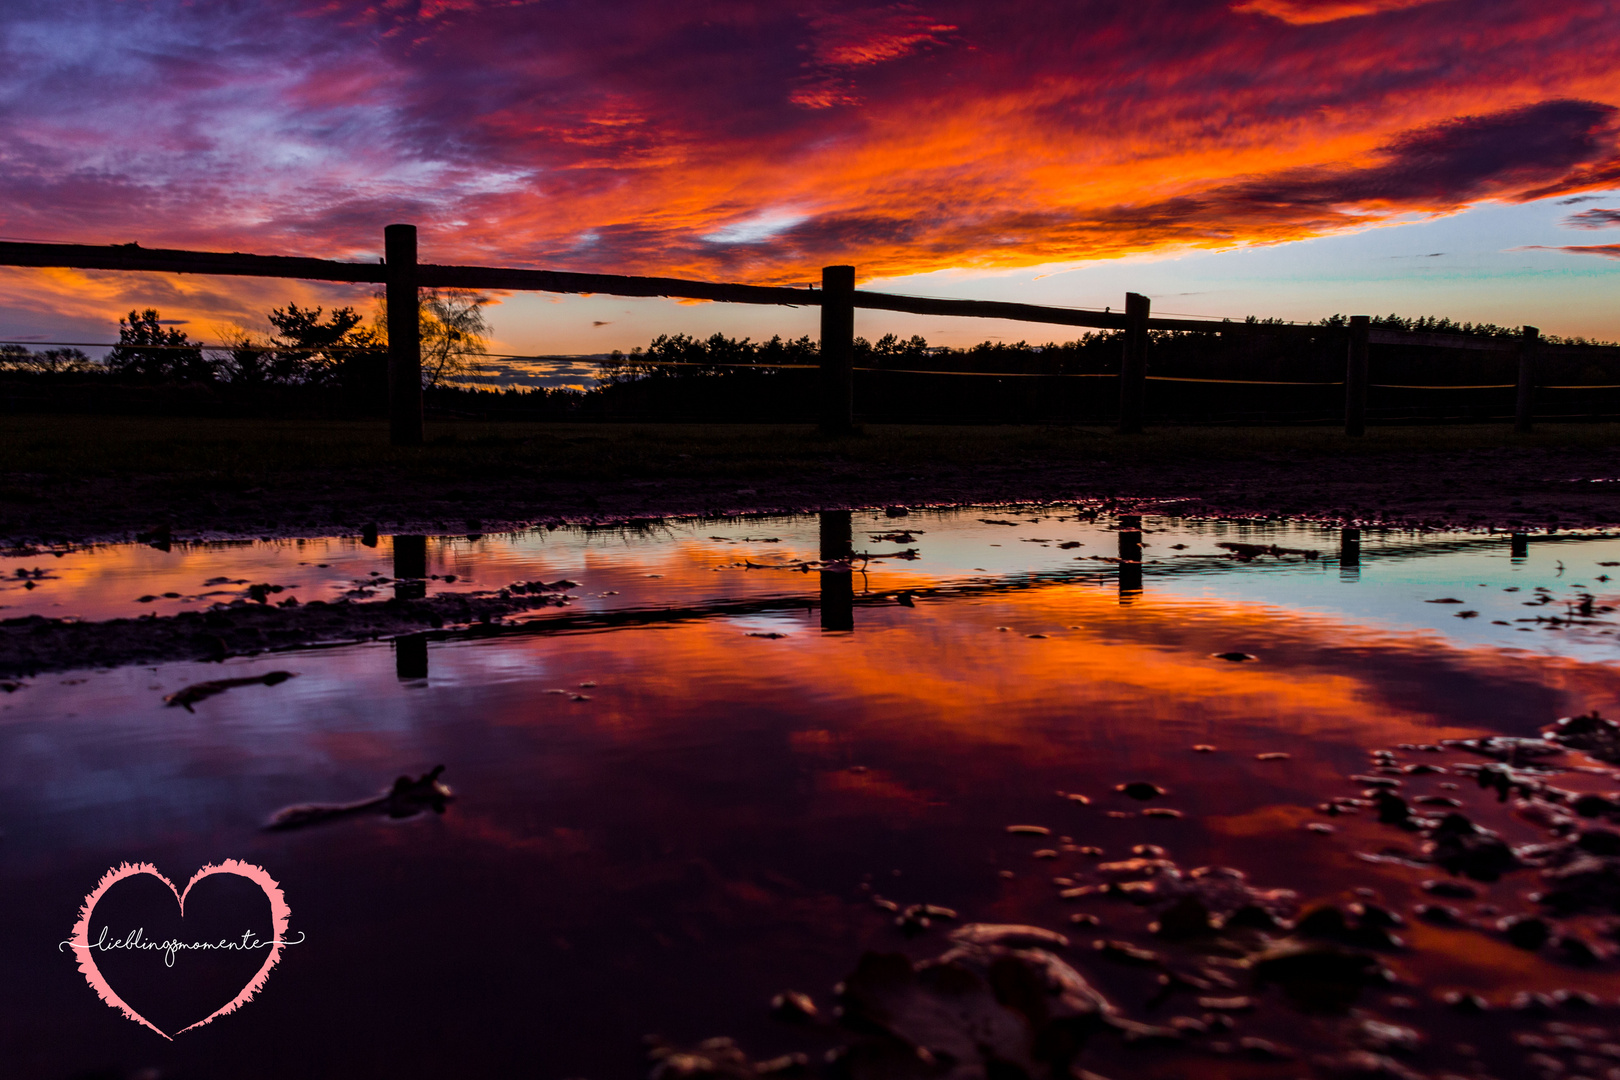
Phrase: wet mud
x=1171 y=971
x=35 y=644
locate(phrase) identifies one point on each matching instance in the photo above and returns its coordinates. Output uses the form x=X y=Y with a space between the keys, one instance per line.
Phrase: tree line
x=306 y=347
x=673 y=356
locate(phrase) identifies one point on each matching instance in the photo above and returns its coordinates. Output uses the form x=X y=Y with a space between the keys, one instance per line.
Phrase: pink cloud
x=905 y=138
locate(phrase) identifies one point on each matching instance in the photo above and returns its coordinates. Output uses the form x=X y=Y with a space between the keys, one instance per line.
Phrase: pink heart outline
x=279 y=915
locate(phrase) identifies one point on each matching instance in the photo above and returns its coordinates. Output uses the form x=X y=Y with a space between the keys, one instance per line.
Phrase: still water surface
x=660 y=823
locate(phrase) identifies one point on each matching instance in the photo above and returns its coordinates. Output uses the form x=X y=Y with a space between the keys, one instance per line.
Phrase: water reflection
x=1349 y=555
x=410 y=567
x=668 y=812
x=837 y=586
x=1130 y=558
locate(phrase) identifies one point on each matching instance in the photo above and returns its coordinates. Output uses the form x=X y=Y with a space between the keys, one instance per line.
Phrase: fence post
x=1527 y=379
x=1133 y=366
x=1355 y=377
x=404 y=337
x=837 y=349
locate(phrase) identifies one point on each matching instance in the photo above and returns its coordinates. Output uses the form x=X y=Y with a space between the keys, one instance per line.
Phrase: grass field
x=62 y=447
x=78 y=478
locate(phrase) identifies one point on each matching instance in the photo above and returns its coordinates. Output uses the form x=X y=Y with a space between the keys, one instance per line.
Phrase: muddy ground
x=1496 y=488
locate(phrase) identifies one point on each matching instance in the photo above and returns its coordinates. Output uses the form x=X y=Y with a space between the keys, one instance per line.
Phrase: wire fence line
x=402 y=276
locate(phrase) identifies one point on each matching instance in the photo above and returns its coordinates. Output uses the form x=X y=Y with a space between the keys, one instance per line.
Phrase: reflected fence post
x=1130 y=558
x=837 y=586
x=1349 y=554
x=411 y=657
x=410 y=567
x=1519 y=546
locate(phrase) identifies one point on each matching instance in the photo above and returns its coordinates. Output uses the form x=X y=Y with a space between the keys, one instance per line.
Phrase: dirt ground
x=1495 y=487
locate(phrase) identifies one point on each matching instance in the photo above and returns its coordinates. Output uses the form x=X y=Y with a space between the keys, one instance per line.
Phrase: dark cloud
x=1454 y=162
x=1610 y=251
x=1592 y=219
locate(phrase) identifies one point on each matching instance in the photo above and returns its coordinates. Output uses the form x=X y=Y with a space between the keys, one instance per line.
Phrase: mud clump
x=196 y=692
x=1590 y=734
x=406 y=799
x=996 y=1003
x=37 y=644
x=1462 y=847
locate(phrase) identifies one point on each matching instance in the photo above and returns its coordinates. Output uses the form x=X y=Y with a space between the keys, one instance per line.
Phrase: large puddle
x=738 y=756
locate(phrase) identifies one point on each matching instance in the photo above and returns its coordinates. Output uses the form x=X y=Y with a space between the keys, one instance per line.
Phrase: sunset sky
x=1294 y=158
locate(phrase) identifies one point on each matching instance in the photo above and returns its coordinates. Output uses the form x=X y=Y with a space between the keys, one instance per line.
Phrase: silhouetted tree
x=311 y=351
x=453 y=329
x=147 y=349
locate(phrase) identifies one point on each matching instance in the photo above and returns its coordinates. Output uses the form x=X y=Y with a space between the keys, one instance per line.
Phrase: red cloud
x=1307 y=12
x=902 y=138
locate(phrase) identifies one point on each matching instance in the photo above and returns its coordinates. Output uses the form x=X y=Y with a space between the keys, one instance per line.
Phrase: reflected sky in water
x=659 y=825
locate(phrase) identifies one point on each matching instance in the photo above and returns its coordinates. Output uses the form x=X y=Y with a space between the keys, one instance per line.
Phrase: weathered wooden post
x=1355 y=377
x=1527 y=379
x=1518 y=546
x=404 y=337
x=837 y=349
x=1133 y=365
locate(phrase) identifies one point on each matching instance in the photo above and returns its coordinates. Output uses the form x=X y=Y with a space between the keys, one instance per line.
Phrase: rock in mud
x=1525 y=931
x=976 y=1010
x=1140 y=790
x=1318 y=977
x=1586 y=883
x=1467 y=849
x=1506 y=749
x=718 y=1059
x=1590 y=734
x=1008 y=935
x=794 y=1007
x=1456 y=890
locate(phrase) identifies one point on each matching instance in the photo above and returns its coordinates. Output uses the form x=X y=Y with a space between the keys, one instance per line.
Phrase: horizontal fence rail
x=402 y=275
x=133 y=257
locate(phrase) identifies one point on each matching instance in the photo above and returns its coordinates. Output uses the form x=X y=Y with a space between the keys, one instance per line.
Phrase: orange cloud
x=1308 y=12
x=902 y=138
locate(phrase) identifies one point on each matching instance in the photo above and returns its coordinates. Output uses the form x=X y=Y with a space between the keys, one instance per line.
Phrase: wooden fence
x=402 y=275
